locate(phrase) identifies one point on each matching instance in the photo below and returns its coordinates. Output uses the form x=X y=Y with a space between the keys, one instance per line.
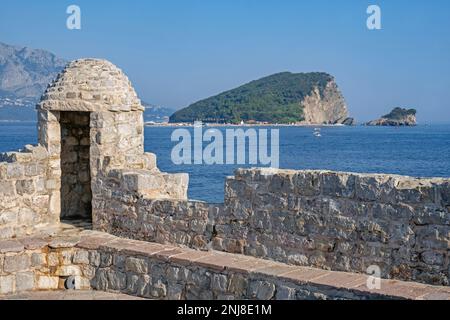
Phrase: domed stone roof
x=91 y=85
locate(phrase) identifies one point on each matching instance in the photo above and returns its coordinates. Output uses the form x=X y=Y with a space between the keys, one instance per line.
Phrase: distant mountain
x=25 y=72
x=310 y=98
x=397 y=117
x=24 y=76
x=154 y=113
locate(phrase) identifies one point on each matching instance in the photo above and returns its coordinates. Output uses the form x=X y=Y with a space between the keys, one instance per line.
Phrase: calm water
x=421 y=151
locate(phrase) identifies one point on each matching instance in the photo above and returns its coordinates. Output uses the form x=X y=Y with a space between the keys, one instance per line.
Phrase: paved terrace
x=266 y=279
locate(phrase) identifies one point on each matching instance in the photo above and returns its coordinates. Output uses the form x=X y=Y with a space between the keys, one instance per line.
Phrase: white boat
x=317 y=133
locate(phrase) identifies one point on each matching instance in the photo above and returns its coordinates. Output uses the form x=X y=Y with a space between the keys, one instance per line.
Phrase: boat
x=317 y=133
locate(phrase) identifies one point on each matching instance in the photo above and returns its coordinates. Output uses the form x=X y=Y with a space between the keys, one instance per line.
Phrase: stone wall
x=34 y=264
x=329 y=220
x=27 y=191
x=152 y=206
x=340 y=221
x=94 y=260
x=76 y=194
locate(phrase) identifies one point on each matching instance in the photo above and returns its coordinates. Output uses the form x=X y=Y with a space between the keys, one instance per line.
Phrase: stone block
x=136 y=265
x=444 y=190
x=285 y=293
x=34 y=169
x=52 y=184
x=7 y=189
x=7 y=284
x=8 y=217
x=94 y=258
x=158 y=289
x=10 y=246
x=376 y=188
x=25 y=281
x=38 y=259
x=143 y=285
x=18 y=262
x=69 y=270
x=6 y=233
x=219 y=283
x=106 y=259
x=338 y=184
x=415 y=191
x=238 y=284
x=307 y=183
x=14 y=170
x=433 y=258
x=64 y=242
x=262 y=290
x=81 y=257
x=53 y=259
x=116 y=280
x=47 y=283
x=175 y=292
x=150 y=161
x=28 y=217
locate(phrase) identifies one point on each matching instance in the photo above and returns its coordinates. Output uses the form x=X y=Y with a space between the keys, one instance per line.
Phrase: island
x=282 y=98
x=397 y=117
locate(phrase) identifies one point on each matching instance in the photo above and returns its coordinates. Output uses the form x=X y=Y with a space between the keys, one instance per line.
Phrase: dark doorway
x=76 y=194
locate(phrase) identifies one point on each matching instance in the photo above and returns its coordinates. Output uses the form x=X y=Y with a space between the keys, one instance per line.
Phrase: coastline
x=147 y=124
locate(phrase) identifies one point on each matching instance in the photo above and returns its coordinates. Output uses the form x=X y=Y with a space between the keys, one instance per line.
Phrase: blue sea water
x=422 y=151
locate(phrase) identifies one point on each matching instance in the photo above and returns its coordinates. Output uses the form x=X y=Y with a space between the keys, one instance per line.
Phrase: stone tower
x=90 y=120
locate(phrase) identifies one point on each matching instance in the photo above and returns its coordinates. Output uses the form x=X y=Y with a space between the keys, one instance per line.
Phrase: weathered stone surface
x=136 y=265
x=64 y=242
x=262 y=290
x=38 y=259
x=25 y=187
x=7 y=284
x=81 y=257
x=18 y=262
x=25 y=281
x=10 y=246
x=285 y=293
x=47 y=283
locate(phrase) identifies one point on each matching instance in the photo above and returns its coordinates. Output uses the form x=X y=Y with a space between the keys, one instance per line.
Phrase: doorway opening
x=76 y=193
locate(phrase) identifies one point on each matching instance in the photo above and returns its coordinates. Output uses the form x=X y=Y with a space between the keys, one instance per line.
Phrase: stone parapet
x=28 y=191
x=99 y=261
x=330 y=220
x=340 y=221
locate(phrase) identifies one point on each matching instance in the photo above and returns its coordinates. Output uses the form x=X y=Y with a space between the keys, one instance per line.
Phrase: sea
x=421 y=151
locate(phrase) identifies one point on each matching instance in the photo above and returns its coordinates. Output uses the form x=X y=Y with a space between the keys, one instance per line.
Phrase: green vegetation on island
x=274 y=99
x=400 y=113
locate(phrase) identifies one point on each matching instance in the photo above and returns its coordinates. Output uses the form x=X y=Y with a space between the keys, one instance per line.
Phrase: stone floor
x=69 y=295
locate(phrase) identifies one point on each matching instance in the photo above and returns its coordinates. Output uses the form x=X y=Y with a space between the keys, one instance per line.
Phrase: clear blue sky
x=177 y=52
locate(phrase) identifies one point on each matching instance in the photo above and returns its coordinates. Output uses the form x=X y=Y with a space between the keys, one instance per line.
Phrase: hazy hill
x=25 y=72
x=24 y=75
x=156 y=113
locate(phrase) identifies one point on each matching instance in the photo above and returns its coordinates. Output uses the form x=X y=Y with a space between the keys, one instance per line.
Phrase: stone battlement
x=323 y=219
x=90 y=164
